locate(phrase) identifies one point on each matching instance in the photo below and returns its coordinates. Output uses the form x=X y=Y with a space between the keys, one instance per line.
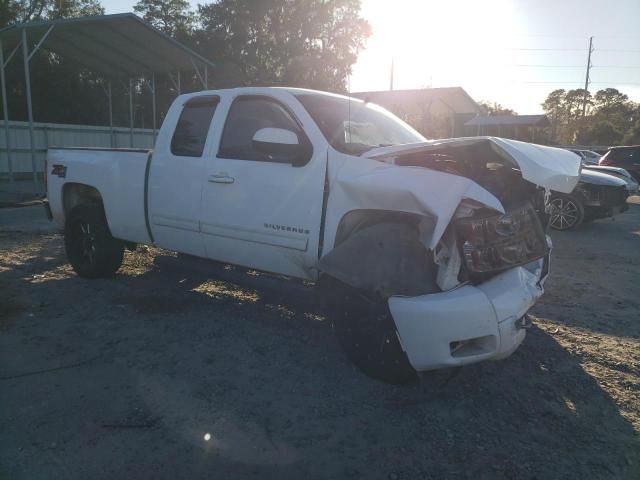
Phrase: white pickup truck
x=431 y=251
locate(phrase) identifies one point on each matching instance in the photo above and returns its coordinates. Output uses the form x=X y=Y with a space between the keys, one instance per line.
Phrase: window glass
x=624 y=155
x=353 y=126
x=248 y=115
x=192 y=128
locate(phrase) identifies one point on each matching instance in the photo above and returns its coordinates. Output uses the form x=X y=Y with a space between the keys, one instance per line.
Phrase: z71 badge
x=59 y=170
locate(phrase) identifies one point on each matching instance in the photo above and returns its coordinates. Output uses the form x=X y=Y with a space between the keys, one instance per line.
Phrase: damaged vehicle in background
x=597 y=195
x=430 y=252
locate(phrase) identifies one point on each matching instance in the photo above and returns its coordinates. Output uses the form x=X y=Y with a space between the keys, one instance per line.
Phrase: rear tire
x=567 y=212
x=91 y=250
x=367 y=333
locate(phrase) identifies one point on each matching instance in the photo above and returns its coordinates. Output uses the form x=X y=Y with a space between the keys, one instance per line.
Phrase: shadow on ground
x=225 y=373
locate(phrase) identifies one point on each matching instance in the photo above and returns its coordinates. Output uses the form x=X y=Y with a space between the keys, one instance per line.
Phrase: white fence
x=48 y=135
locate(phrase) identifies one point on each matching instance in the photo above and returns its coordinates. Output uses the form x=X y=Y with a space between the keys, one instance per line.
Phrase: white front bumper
x=468 y=324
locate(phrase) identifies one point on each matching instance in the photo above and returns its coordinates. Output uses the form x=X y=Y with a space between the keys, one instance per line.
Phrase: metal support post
x=5 y=114
x=27 y=79
x=111 y=133
x=206 y=78
x=131 y=113
x=153 y=103
x=179 y=83
x=198 y=74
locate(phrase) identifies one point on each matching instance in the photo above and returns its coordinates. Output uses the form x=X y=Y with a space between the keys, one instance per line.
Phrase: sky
x=513 y=52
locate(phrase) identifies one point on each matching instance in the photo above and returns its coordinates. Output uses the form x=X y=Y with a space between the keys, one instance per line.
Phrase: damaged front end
x=459 y=278
x=491 y=243
x=463 y=217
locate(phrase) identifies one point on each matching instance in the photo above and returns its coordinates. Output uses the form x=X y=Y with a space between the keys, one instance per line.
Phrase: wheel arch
x=383 y=251
x=78 y=193
x=356 y=219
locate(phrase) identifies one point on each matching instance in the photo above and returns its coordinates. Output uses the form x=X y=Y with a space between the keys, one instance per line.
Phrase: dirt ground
x=166 y=372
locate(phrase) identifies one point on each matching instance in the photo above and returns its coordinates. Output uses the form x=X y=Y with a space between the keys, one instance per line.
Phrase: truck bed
x=117 y=174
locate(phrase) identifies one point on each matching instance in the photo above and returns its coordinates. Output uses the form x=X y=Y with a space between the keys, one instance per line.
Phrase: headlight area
x=491 y=244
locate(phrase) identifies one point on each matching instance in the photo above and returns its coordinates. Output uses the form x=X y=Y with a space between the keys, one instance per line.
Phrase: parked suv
x=625 y=157
x=597 y=195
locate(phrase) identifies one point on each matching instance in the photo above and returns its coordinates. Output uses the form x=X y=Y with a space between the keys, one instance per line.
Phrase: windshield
x=354 y=126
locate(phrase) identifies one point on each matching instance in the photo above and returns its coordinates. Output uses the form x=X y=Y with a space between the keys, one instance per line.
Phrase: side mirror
x=282 y=144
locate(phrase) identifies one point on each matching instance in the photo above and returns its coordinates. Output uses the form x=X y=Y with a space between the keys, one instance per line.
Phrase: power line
x=572 y=83
x=615 y=66
x=616 y=50
x=546 y=49
x=568 y=66
x=543 y=66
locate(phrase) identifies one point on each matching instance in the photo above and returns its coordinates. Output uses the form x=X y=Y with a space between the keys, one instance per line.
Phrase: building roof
x=508 y=120
x=455 y=99
x=114 y=45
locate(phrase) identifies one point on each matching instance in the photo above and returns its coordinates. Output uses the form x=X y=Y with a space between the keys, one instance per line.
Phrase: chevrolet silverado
x=430 y=252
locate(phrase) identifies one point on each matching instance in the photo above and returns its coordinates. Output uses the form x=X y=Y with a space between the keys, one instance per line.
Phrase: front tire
x=567 y=212
x=91 y=250
x=367 y=333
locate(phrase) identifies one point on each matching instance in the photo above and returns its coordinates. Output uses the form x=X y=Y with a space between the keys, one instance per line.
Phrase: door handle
x=221 y=178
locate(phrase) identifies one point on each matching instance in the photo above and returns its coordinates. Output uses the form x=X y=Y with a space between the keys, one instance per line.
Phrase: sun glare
x=434 y=43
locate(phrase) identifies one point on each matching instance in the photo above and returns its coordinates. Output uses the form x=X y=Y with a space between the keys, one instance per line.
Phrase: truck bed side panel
x=119 y=177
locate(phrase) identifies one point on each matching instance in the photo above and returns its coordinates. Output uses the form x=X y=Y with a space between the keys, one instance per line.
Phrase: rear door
x=175 y=178
x=259 y=211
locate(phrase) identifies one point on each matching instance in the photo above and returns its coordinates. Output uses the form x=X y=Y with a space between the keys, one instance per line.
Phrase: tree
x=609 y=100
x=8 y=12
x=599 y=133
x=494 y=108
x=311 y=43
x=78 y=97
x=574 y=101
x=553 y=106
x=613 y=106
x=74 y=9
x=173 y=17
x=632 y=137
x=564 y=109
x=18 y=11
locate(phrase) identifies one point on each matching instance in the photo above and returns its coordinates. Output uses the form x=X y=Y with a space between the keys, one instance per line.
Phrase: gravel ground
x=167 y=372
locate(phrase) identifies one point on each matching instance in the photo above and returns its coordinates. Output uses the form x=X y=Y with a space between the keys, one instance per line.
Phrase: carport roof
x=114 y=45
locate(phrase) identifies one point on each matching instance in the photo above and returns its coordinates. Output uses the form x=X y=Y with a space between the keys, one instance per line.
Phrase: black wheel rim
x=564 y=213
x=85 y=242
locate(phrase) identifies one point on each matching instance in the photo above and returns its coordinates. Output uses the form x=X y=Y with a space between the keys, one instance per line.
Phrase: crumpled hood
x=548 y=167
x=362 y=183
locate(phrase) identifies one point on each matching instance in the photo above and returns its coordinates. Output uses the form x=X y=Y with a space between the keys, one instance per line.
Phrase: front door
x=258 y=211
x=175 y=178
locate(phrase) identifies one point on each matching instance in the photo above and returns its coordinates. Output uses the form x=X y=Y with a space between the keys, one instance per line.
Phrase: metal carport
x=120 y=46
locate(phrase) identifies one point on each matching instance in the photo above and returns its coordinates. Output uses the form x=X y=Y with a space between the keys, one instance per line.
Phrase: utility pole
x=391 y=77
x=587 y=79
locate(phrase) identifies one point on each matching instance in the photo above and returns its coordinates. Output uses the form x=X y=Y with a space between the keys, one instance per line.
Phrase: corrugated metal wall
x=58 y=135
